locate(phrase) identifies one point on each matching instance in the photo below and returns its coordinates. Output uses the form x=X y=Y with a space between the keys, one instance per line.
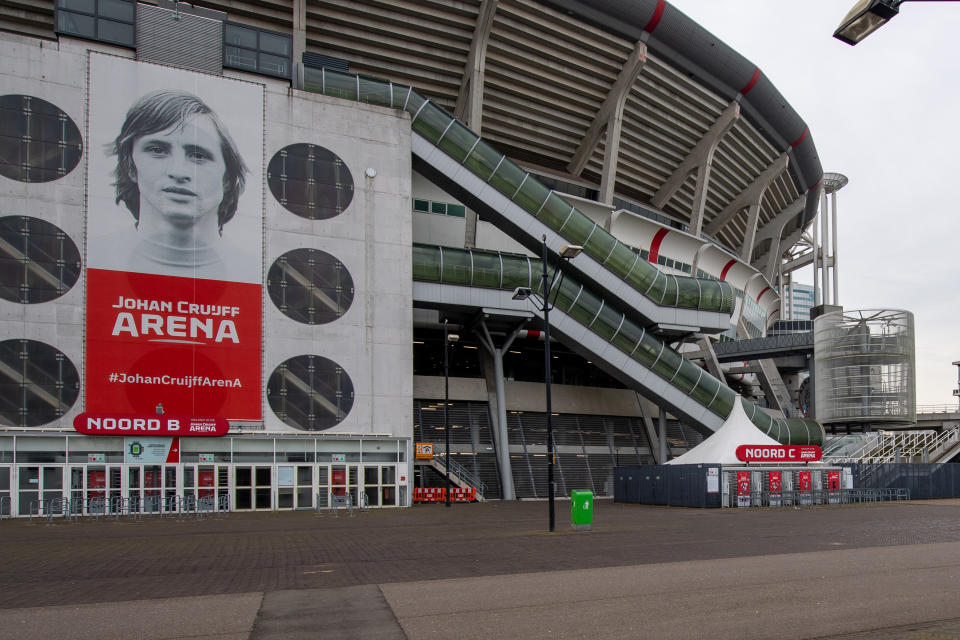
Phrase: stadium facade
x=262 y=216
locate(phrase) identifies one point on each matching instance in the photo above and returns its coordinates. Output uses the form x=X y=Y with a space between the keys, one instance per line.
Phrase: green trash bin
x=581 y=510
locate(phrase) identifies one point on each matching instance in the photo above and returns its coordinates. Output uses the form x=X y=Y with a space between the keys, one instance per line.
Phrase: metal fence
x=117 y=507
x=688 y=485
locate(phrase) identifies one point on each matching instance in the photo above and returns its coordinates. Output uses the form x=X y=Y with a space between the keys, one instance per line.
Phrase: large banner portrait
x=174 y=241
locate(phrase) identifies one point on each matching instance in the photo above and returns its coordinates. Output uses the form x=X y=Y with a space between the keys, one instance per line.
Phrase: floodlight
x=864 y=18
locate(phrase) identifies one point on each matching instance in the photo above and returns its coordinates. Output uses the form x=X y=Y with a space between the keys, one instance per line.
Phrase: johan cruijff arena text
x=260 y=215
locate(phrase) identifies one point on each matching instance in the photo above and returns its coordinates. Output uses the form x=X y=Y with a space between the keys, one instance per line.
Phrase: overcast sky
x=885 y=113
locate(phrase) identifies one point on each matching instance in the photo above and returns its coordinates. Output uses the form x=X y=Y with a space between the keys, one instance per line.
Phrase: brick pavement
x=110 y=561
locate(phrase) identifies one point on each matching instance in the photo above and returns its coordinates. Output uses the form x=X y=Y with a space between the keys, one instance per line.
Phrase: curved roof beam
x=773 y=230
x=469 y=106
x=611 y=109
x=700 y=159
x=748 y=197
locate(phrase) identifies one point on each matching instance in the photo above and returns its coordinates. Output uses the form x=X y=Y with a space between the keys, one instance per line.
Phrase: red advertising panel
x=116 y=424
x=803 y=481
x=773 y=479
x=192 y=346
x=833 y=480
x=174 y=242
x=743 y=483
x=778 y=453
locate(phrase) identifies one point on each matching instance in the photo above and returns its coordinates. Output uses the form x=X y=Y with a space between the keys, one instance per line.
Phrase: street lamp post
x=547 y=374
x=522 y=293
x=446 y=406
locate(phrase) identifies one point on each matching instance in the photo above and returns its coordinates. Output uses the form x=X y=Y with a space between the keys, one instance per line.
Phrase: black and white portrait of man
x=177 y=180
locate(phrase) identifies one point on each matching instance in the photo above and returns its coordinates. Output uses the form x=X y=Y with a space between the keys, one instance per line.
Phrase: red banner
x=128 y=424
x=743 y=483
x=186 y=346
x=803 y=481
x=773 y=479
x=778 y=453
x=833 y=480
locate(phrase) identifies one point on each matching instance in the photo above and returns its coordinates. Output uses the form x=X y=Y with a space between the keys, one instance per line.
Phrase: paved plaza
x=491 y=570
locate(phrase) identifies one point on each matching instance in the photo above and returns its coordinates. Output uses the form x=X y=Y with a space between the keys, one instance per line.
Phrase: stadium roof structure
x=540 y=80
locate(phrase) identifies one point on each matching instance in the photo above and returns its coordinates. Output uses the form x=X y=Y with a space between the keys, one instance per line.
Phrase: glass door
x=200 y=486
x=6 y=507
x=253 y=487
x=304 y=487
x=294 y=487
x=39 y=489
x=380 y=485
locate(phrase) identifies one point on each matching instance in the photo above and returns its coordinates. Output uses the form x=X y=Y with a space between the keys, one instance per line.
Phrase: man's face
x=180 y=172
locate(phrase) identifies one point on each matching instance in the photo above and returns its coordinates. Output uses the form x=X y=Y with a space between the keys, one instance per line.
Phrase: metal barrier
x=816 y=497
x=133 y=507
x=9 y=510
x=336 y=502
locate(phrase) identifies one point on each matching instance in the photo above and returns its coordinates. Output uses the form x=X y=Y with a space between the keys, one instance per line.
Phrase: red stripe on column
x=655 y=245
x=657 y=14
x=816 y=185
x=760 y=295
x=796 y=144
x=533 y=333
x=726 y=269
x=753 y=81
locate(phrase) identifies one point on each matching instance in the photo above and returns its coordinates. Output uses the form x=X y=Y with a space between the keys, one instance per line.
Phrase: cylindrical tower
x=865 y=368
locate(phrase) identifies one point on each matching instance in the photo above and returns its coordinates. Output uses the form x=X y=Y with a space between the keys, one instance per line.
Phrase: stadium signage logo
x=112 y=424
x=778 y=453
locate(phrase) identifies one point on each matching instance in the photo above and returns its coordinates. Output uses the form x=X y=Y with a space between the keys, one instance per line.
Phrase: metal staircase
x=903 y=446
x=459 y=474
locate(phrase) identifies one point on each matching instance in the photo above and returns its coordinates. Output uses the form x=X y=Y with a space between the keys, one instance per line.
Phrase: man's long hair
x=161 y=110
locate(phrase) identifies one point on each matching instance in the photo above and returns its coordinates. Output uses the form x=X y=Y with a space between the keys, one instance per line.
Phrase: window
x=310 y=286
x=310 y=181
x=103 y=20
x=442 y=208
x=38 y=141
x=310 y=392
x=38 y=383
x=38 y=261
x=257 y=50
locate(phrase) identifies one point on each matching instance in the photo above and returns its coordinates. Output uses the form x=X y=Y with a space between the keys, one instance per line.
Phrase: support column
x=611 y=153
x=816 y=253
x=503 y=442
x=662 y=428
x=646 y=412
x=299 y=30
x=833 y=240
x=824 y=243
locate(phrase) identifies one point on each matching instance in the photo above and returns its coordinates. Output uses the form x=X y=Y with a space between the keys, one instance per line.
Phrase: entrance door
x=380 y=485
x=152 y=488
x=294 y=487
x=40 y=489
x=98 y=488
x=201 y=483
x=6 y=507
x=253 y=487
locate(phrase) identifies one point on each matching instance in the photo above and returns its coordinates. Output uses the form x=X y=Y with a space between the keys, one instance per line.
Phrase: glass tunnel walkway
x=607 y=297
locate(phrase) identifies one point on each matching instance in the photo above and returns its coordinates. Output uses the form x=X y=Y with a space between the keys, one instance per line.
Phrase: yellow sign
x=424 y=450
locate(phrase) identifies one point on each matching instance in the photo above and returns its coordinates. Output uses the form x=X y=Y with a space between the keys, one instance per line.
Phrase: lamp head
x=522 y=293
x=864 y=18
x=568 y=251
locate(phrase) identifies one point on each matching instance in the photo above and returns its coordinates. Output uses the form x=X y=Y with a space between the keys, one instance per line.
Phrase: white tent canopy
x=721 y=447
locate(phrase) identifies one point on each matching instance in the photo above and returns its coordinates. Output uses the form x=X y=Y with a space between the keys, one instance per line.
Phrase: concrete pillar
x=500 y=428
x=299 y=30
